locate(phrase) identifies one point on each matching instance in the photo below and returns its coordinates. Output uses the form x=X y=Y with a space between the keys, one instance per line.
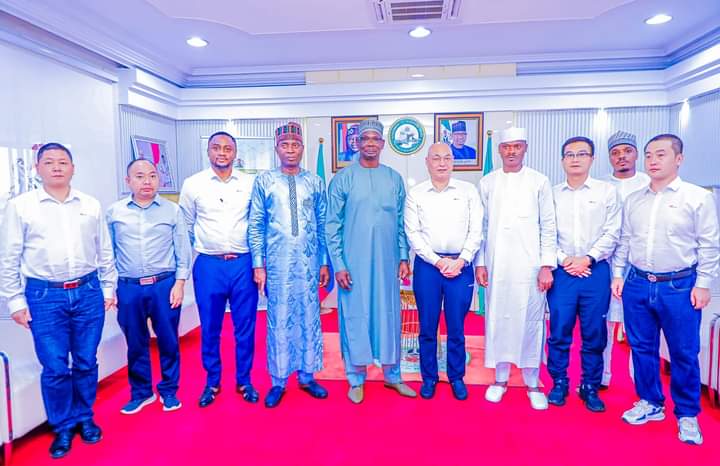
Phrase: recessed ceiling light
x=508 y=122
x=417 y=75
x=196 y=42
x=420 y=32
x=661 y=18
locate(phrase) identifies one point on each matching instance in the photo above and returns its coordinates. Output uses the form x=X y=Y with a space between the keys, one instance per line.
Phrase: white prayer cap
x=513 y=134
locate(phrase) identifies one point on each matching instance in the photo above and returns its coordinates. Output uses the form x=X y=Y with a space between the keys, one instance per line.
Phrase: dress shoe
x=89 y=431
x=314 y=389
x=402 y=389
x=589 y=395
x=603 y=387
x=356 y=394
x=495 y=392
x=208 y=396
x=62 y=443
x=459 y=390
x=248 y=393
x=538 y=400
x=559 y=393
x=274 y=396
x=427 y=389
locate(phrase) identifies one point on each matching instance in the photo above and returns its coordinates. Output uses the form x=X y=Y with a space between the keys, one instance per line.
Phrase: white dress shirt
x=447 y=221
x=669 y=231
x=216 y=211
x=588 y=219
x=53 y=241
x=627 y=186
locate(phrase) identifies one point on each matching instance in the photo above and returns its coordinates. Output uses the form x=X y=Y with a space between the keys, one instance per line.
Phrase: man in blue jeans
x=670 y=242
x=57 y=239
x=588 y=213
x=153 y=257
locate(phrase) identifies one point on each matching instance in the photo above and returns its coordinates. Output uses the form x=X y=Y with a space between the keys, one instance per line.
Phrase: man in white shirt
x=515 y=264
x=622 y=148
x=589 y=215
x=443 y=223
x=670 y=242
x=57 y=239
x=216 y=203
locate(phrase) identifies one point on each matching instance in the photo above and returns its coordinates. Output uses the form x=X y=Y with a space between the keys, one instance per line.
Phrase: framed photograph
x=463 y=132
x=155 y=151
x=254 y=154
x=345 y=140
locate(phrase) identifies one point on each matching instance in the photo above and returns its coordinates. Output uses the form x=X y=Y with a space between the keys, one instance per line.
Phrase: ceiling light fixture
x=420 y=32
x=417 y=75
x=661 y=18
x=196 y=42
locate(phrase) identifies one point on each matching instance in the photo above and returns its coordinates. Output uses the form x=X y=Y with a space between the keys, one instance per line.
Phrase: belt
x=150 y=280
x=665 y=276
x=225 y=257
x=68 y=285
x=445 y=255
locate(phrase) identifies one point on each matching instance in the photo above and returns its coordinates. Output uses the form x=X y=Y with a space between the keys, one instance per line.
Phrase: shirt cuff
x=17 y=303
x=479 y=260
x=182 y=274
x=595 y=254
x=618 y=272
x=703 y=282
x=108 y=292
x=561 y=256
x=258 y=262
x=548 y=261
x=466 y=256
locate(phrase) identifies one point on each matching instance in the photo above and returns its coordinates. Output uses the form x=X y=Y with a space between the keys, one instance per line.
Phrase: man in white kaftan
x=515 y=266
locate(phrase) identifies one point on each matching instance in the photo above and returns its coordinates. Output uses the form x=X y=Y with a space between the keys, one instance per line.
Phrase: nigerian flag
x=445 y=131
x=320 y=170
x=487 y=168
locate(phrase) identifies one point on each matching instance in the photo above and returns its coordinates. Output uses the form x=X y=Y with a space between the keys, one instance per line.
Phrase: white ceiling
x=293 y=36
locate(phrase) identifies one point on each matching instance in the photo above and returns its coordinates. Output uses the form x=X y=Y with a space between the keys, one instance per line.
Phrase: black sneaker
x=559 y=393
x=589 y=395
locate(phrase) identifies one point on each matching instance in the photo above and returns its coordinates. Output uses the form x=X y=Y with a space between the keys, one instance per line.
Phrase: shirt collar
x=214 y=176
x=589 y=183
x=673 y=186
x=451 y=185
x=129 y=201
x=44 y=196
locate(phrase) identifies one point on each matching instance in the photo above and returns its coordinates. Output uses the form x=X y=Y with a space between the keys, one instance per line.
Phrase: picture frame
x=254 y=154
x=155 y=150
x=468 y=147
x=344 y=141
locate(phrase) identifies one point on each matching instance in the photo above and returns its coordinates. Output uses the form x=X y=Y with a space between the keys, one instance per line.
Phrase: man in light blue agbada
x=368 y=248
x=286 y=233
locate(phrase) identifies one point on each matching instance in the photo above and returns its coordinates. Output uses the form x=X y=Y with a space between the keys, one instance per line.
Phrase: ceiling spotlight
x=417 y=75
x=419 y=32
x=658 y=19
x=196 y=42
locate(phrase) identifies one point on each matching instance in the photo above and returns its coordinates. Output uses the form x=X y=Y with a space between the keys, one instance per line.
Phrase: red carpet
x=385 y=429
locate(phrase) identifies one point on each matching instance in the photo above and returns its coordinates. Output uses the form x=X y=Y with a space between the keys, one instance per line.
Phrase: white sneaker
x=494 y=393
x=643 y=412
x=689 y=431
x=538 y=400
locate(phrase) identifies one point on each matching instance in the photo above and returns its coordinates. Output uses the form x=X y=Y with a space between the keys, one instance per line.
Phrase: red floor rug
x=384 y=430
x=475 y=372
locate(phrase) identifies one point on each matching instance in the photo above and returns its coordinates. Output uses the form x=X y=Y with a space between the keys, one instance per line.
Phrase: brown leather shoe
x=402 y=389
x=356 y=394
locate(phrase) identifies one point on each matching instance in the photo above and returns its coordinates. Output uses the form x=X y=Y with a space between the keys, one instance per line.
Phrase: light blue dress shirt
x=149 y=240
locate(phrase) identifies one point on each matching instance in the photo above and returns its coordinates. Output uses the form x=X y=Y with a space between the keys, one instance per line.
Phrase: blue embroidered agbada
x=286 y=234
x=365 y=236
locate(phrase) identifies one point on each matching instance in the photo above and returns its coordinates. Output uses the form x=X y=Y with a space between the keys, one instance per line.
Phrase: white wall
x=42 y=100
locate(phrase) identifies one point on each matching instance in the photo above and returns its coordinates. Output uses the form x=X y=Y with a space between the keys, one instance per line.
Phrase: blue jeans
x=588 y=299
x=137 y=303
x=67 y=322
x=649 y=308
x=218 y=281
x=433 y=292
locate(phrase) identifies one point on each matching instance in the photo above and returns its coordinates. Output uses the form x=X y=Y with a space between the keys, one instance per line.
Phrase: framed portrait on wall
x=155 y=151
x=346 y=140
x=463 y=132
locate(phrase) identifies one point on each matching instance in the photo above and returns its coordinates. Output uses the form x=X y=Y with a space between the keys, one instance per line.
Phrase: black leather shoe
x=62 y=443
x=427 y=389
x=559 y=393
x=314 y=389
x=248 y=393
x=274 y=396
x=208 y=396
x=89 y=431
x=459 y=390
x=589 y=395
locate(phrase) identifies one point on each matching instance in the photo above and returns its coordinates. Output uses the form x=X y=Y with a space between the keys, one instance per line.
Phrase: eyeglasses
x=577 y=155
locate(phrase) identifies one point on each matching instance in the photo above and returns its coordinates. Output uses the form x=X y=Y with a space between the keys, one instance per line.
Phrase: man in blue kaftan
x=286 y=236
x=367 y=246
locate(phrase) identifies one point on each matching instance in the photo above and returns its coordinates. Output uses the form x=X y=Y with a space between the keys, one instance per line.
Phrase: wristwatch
x=592 y=260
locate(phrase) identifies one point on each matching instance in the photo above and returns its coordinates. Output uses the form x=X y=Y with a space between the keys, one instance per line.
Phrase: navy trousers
x=649 y=308
x=587 y=299
x=434 y=292
x=136 y=304
x=218 y=281
x=67 y=322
